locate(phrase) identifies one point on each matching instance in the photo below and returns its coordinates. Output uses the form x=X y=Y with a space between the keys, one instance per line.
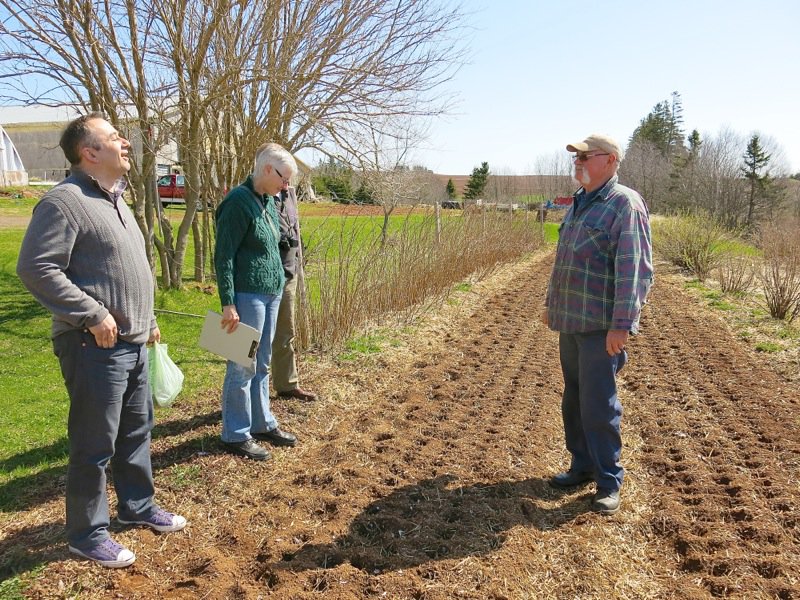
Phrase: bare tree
x=92 y=56
x=383 y=170
x=720 y=189
x=647 y=170
x=227 y=75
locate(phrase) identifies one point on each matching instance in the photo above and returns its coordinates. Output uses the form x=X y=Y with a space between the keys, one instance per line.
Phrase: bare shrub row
x=355 y=278
x=700 y=245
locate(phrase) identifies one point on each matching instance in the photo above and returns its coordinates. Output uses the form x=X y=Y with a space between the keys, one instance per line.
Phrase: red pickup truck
x=171 y=189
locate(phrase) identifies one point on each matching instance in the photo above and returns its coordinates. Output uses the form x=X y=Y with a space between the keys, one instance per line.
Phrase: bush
x=736 y=274
x=696 y=243
x=356 y=278
x=780 y=275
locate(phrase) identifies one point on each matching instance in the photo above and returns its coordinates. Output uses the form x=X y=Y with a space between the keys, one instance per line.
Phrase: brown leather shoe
x=300 y=394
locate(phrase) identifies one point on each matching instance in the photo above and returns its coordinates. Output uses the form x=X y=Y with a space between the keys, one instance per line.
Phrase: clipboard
x=240 y=346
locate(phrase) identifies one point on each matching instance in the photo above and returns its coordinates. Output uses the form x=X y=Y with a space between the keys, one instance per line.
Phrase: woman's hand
x=230 y=318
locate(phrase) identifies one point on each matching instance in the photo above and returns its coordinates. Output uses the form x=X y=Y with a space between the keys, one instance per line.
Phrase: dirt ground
x=422 y=474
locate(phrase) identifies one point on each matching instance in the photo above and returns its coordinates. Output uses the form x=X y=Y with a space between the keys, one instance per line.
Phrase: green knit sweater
x=247 y=258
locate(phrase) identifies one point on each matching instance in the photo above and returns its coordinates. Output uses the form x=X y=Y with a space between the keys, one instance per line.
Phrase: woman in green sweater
x=250 y=281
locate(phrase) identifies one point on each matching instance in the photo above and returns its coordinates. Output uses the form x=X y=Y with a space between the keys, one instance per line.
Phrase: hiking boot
x=248 y=448
x=606 y=502
x=107 y=553
x=570 y=479
x=160 y=520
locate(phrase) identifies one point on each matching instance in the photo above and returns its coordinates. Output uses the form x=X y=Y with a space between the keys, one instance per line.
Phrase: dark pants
x=110 y=418
x=590 y=407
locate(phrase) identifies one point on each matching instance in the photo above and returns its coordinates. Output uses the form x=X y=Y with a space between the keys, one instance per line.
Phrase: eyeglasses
x=584 y=156
x=285 y=179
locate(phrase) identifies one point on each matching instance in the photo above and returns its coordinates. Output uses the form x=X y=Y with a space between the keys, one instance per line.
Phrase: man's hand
x=615 y=341
x=543 y=318
x=105 y=332
x=230 y=318
x=155 y=336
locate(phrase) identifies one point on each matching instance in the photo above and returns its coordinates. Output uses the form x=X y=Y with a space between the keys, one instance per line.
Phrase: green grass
x=16 y=203
x=181 y=477
x=551 y=232
x=767 y=347
x=13 y=587
x=717 y=300
x=363 y=346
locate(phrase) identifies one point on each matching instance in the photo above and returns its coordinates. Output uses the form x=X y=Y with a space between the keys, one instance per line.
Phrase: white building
x=12 y=171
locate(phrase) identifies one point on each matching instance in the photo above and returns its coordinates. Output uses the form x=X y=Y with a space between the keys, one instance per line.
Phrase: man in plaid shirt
x=602 y=273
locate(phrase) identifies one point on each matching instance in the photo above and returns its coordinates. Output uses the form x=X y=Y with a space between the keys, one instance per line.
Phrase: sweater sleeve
x=232 y=225
x=44 y=260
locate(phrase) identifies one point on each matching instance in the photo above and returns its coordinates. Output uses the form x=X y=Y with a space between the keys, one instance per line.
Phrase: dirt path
x=422 y=475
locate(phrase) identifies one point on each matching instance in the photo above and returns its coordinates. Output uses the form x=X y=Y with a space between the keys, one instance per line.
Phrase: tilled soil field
x=422 y=474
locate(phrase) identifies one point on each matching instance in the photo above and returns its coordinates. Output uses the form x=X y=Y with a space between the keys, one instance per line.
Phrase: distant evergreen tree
x=663 y=127
x=363 y=195
x=334 y=178
x=756 y=161
x=451 y=189
x=694 y=143
x=477 y=182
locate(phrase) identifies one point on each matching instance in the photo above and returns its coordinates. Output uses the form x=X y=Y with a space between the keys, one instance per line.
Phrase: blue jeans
x=245 y=393
x=110 y=418
x=590 y=407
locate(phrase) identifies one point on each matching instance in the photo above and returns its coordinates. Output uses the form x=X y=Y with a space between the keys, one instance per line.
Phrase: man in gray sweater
x=83 y=258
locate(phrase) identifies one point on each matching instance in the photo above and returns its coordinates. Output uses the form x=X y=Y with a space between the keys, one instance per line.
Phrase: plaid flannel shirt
x=603 y=268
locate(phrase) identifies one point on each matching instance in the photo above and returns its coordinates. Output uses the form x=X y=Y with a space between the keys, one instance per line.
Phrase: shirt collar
x=600 y=193
x=114 y=195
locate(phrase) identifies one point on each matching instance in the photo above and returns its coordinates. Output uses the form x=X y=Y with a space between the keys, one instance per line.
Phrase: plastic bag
x=166 y=379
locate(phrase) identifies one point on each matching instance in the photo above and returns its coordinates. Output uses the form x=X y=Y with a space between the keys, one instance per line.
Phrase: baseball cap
x=598 y=141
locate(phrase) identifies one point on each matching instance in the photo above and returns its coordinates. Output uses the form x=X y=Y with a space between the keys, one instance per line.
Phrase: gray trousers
x=284 y=360
x=110 y=418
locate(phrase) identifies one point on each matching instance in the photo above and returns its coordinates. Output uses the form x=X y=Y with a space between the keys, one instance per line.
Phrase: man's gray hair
x=278 y=157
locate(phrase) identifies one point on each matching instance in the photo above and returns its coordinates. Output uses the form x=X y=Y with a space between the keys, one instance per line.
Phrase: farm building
x=36 y=130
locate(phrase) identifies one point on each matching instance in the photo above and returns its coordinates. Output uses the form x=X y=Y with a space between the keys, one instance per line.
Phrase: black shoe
x=248 y=449
x=276 y=437
x=570 y=479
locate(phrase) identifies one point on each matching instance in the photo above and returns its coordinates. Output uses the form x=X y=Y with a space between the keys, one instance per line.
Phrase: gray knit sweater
x=83 y=256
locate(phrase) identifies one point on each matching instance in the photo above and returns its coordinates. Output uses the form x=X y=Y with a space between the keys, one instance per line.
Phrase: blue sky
x=543 y=73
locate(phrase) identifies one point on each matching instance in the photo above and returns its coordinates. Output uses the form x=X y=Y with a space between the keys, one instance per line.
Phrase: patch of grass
x=11 y=589
x=695 y=284
x=767 y=347
x=362 y=346
x=463 y=287
x=788 y=333
x=717 y=300
x=183 y=476
x=551 y=232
